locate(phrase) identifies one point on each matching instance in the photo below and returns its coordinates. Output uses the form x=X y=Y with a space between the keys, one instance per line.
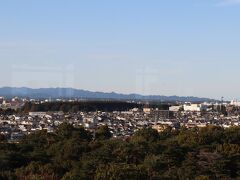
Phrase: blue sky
x=162 y=47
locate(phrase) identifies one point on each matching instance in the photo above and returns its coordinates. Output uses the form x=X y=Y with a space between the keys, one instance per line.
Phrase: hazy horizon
x=183 y=48
x=102 y=91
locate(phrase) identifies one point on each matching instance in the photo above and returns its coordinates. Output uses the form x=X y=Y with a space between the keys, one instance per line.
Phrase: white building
x=40 y=114
x=194 y=107
x=175 y=108
x=235 y=102
x=147 y=110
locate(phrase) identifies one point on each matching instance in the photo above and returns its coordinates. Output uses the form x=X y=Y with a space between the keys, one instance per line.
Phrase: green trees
x=82 y=106
x=66 y=131
x=211 y=135
x=103 y=133
x=36 y=170
x=120 y=172
x=73 y=153
x=2 y=138
x=146 y=134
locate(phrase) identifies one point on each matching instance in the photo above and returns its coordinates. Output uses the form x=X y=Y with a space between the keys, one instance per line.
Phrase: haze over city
x=185 y=48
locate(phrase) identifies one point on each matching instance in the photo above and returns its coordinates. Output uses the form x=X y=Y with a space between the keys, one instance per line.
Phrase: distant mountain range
x=56 y=93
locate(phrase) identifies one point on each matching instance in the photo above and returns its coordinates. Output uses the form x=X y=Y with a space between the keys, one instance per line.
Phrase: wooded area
x=72 y=153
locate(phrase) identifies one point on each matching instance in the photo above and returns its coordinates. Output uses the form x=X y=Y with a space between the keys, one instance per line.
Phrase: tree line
x=74 y=153
x=107 y=106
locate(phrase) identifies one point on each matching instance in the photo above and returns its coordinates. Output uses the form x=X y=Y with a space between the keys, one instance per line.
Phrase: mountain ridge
x=58 y=92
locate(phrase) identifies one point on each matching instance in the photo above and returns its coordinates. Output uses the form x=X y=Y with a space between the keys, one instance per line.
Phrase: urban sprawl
x=122 y=124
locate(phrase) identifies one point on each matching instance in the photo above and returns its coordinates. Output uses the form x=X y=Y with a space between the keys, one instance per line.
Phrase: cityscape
x=16 y=121
x=119 y=90
x=48 y=138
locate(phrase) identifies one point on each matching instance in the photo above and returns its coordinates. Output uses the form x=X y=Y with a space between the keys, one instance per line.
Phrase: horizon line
x=109 y=92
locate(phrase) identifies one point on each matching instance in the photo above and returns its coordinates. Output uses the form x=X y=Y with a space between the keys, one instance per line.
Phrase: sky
x=151 y=47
